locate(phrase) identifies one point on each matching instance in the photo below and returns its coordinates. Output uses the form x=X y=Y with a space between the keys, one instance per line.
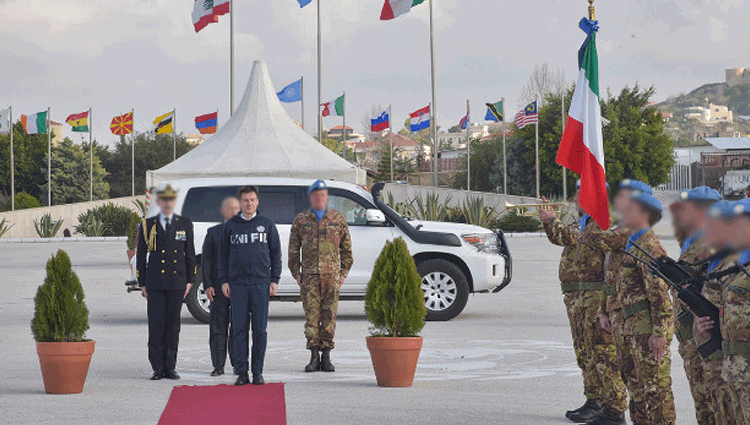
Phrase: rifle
x=676 y=277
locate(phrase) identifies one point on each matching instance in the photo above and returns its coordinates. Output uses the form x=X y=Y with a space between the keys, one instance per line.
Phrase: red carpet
x=248 y=404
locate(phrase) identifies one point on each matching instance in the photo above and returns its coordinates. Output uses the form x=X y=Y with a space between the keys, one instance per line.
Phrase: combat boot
x=314 y=364
x=325 y=361
x=609 y=417
x=588 y=412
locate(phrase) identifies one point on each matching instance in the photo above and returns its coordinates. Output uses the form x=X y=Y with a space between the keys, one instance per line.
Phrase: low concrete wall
x=405 y=193
x=23 y=220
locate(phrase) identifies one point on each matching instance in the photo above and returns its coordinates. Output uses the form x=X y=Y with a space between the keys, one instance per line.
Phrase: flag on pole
x=35 y=123
x=394 y=8
x=526 y=116
x=122 y=124
x=338 y=107
x=5 y=123
x=465 y=121
x=163 y=123
x=582 y=147
x=420 y=119
x=494 y=112
x=79 y=122
x=303 y=3
x=381 y=122
x=208 y=11
x=207 y=123
x=291 y=93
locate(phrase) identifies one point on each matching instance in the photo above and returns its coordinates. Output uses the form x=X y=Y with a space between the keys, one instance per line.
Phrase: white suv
x=453 y=259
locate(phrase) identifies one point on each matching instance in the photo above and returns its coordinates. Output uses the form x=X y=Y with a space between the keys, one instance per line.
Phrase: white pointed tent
x=259 y=140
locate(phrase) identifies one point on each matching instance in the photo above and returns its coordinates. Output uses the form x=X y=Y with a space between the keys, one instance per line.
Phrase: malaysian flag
x=528 y=115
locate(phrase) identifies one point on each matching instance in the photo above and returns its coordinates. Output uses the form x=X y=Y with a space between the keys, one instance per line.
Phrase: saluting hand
x=225 y=290
x=210 y=293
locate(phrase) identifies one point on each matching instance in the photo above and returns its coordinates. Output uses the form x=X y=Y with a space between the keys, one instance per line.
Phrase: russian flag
x=420 y=119
x=381 y=122
x=206 y=124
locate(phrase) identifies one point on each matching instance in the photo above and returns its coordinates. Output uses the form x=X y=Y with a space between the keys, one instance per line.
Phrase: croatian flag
x=208 y=11
x=381 y=122
x=420 y=119
x=206 y=124
x=582 y=146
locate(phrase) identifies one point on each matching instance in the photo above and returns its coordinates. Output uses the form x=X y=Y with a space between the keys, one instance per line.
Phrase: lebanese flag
x=208 y=11
x=582 y=148
x=394 y=8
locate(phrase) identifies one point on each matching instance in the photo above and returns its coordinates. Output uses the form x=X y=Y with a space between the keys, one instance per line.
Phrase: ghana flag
x=79 y=122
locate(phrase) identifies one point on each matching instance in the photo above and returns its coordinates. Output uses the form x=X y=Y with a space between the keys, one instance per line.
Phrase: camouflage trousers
x=595 y=351
x=722 y=397
x=626 y=361
x=654 y=379
x=320 y=299
x=693 y=365
x=736 y=373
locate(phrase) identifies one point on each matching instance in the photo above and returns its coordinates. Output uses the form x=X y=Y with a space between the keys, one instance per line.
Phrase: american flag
x=526 y=116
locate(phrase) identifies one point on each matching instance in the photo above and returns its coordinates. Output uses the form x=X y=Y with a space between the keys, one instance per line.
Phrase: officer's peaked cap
x=167 y=191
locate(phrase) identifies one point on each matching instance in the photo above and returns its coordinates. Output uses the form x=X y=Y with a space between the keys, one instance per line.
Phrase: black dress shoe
x=217 y=372
x=157 y=375
x=258 y=380
x=242 y=379
x=171 y=374
x=586 y=413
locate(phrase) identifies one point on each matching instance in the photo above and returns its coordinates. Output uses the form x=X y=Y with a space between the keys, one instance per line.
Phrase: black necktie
x=166 y=224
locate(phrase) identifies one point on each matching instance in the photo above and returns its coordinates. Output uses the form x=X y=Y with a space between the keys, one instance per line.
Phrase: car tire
x=198 y=304
x=445 y=287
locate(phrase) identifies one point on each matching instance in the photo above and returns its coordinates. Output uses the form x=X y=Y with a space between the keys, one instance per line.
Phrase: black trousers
x=218 y=337
x=164 y=309
x=249 y=309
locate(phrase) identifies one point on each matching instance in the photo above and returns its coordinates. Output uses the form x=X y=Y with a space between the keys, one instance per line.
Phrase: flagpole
x=343 y=137
x=468 y=148
x=562 y=126
x=505 y=161
x=320 y=100
x=231 y=57
x=390 y=128
x=174 y=138
x=49 y=159
x=132 y=154
x=91 y=157
x=302 y=99
x=12 y=164
x=433 y=108
x=537 y=149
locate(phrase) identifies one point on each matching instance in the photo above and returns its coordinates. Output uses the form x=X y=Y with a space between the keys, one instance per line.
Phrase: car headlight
x=483 y=242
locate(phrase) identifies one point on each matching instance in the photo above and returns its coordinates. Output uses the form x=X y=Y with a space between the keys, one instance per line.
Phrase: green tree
x=403 y=166
x=30 y=160
x=70 y=174
x=151 y=152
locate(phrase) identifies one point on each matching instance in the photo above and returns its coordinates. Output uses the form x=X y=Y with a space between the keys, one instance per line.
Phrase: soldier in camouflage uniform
x=689 y=213
x=320 y=256
x=581 y=275
x=646 y=310
x=734 y=302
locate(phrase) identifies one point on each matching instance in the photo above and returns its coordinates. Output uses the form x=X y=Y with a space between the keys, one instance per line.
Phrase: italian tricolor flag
x=582 y=147
x=35 y=123
x=338 y=107
x=395 y=8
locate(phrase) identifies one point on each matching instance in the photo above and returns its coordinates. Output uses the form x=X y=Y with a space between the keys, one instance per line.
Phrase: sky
x=117 y=55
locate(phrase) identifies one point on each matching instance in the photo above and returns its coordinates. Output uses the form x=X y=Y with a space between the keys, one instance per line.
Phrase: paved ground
x=507 y=359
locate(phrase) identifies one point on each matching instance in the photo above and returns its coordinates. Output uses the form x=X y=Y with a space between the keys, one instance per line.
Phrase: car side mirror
x=375 y=217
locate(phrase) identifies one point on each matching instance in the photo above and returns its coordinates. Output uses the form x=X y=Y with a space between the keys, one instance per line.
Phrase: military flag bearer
x=320 y=256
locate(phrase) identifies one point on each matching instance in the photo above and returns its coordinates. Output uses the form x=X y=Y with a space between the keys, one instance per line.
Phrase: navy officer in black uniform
x=166 y=271
x=250 y=268
x=219 y=323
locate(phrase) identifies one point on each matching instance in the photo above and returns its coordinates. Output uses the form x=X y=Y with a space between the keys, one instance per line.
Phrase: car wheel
x=198 y=304
x=445 y=287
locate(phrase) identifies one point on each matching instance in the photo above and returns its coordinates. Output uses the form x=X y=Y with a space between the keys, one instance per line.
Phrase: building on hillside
x=195 y=139
x=336 y=133
x=711 y=115
x=367 y=153
x=737 y=76
x=457 y=140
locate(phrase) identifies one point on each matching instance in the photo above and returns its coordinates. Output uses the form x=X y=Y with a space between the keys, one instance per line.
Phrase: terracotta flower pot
x=64 y=365
x=394 y=359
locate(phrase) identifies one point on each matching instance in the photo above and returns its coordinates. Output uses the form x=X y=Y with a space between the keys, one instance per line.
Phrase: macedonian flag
x=122 y=124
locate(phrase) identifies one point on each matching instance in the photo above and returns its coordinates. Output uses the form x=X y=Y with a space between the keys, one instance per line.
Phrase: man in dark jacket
x=219 y=324
x=250 y=267
x=165 y=266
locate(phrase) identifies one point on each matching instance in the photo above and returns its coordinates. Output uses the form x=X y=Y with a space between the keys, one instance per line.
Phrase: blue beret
x=636 y=185
x=700 y=193
x=647 y=200
x=722 y=209
x=578 y=184
x=318 y=185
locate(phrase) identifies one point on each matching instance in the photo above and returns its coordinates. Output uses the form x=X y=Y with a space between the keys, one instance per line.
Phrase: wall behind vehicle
x=406 y=192
x=23 y=220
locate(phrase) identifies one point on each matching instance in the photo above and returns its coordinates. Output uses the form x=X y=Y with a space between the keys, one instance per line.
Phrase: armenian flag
x=79 y=122
x=207 y=123
x=122 y=124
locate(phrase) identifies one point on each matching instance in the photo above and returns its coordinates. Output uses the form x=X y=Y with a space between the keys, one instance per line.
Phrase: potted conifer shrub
x=394 y=304
x=59 y=324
